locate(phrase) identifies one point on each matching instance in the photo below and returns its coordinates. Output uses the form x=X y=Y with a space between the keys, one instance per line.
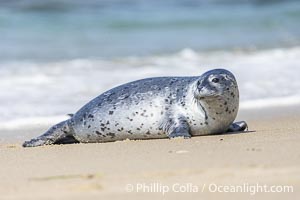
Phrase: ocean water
x=57 y=55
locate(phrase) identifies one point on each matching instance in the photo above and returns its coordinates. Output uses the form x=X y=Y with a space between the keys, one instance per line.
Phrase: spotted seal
x=151 y=108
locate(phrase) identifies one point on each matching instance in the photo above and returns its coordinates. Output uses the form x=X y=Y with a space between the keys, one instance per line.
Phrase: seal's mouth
x=205 y=94
x=208 y=96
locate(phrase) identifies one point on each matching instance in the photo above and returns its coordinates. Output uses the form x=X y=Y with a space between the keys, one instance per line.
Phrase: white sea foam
x=31 y=121
x=33 y=91
x=270 y=102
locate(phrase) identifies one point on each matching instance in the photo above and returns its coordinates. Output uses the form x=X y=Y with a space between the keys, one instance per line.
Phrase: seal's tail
x=54 y=134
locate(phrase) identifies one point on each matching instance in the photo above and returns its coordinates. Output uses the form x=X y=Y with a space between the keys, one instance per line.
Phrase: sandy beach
x=268 y=154
x=58 y=55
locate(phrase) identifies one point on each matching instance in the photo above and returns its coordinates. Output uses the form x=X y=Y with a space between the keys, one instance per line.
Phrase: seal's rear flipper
x=54 y=134
x=238 y=126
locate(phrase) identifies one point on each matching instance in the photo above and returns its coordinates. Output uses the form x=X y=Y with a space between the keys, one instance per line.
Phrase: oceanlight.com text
x=251 y=189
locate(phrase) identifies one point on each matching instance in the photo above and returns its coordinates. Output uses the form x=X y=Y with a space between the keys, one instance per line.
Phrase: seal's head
x=216 y=93
x=216 y=84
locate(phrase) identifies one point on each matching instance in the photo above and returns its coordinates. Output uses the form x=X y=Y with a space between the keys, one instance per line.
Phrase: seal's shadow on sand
x=71 y=140
x=233 y=133
x=67 y=140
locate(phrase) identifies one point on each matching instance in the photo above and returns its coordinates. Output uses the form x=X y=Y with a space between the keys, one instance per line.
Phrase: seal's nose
x=202 y=92
x=200 y=85
x=200 y=88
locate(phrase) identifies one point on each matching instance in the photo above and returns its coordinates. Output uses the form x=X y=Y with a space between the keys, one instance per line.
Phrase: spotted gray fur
x=154 y=108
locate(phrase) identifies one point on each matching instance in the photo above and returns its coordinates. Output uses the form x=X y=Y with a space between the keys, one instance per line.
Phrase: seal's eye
x=215 y=80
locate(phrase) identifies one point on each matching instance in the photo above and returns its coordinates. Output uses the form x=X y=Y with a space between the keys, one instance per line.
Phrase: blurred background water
x=55 y=55
x=68 y=29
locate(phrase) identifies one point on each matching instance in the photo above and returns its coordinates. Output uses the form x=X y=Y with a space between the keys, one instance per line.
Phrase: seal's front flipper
x=179 y=128
x=54 y=134
x=238 y=126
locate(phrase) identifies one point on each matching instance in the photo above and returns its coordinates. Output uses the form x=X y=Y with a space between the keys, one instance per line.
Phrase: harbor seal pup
x=151 y=108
